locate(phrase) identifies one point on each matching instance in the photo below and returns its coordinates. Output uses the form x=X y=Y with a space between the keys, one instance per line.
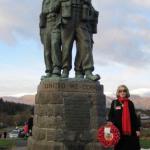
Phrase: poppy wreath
x=112 y=139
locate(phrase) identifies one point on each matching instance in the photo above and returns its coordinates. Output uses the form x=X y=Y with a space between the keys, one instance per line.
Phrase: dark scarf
x=126 y=120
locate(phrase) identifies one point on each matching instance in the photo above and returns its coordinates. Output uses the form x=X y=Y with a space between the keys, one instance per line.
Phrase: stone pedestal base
x=67 y=115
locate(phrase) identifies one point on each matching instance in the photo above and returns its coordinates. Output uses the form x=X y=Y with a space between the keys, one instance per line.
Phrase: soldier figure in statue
x=61 y=23
x=50 y=21
x=92 y=28
x=75 y=17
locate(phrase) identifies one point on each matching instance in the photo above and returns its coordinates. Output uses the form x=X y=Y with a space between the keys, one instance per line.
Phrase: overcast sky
x=121 y=50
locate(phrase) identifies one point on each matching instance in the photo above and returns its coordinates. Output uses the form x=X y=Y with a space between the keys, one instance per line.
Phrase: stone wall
x=67 y=115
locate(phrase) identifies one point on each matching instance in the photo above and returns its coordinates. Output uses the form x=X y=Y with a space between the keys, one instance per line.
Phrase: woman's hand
x=138 y=133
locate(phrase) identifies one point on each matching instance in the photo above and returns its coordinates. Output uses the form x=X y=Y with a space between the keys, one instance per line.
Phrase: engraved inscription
x=77 y=113
x=88 y=87
x=55 y=85
x=69 y=87
x=74 y=86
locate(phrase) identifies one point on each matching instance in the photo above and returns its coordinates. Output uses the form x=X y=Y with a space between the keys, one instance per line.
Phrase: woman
x=122 y=115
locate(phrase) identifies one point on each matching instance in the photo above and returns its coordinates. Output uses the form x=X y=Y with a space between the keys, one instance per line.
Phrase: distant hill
x=12 y=108
x=141 y=102
x=12 y=114
x=26 y=99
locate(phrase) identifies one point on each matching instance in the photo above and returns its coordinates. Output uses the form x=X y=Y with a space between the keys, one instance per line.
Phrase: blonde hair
x=126 y=88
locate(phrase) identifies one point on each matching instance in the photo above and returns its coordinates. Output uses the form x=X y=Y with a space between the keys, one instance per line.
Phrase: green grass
x=3 y=129
x=6 y=143
x=145 y=138
x=145 y=143
x=145 y=133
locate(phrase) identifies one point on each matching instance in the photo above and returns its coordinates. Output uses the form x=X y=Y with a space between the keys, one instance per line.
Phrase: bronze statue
x=51 y=36
x=62 y=23
x=43 y=31
x=92 y=29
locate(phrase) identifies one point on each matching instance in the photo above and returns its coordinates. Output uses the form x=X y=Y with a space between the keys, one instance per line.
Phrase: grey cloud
x=123 y=30
x=18 y=17
x=123 y=46
x=145 y=3
x=123 y=34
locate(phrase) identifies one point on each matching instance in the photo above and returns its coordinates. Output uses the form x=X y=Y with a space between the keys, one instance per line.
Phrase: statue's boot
x=48 y=75
x=90 y=76
x=56 y=72
x=79 y=75
x=65 y=73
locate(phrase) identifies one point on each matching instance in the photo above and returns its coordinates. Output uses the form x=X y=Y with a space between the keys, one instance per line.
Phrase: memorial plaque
x=77 y=113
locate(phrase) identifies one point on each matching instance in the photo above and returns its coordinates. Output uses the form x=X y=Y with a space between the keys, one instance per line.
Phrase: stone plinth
x=67 y=115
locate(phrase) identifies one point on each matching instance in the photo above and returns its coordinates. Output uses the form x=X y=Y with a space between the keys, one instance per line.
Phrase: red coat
x=25 y=128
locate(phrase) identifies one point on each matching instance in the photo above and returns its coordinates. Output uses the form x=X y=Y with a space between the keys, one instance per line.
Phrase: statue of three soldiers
x=61 y=23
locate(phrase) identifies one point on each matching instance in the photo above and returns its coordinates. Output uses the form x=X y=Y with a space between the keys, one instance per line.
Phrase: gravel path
x=20 y=148
x=20 y=145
